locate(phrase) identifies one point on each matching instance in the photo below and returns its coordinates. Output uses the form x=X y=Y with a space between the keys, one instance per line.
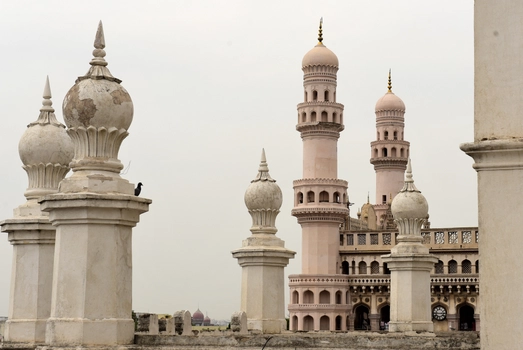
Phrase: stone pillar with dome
x=45 y=150
x=410 y=263
x=263 y=257
x=94 y=213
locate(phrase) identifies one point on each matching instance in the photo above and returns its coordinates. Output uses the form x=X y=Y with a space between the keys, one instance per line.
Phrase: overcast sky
x=215 y=81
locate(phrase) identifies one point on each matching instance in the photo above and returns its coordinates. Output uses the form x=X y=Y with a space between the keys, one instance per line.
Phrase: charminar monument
x=71 y=282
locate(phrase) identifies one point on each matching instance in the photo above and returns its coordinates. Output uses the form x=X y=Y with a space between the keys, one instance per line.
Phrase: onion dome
x=97 y=99
x=198 y=315
x=263 y=193
x=320 y=55
x=207 y=320
x=409 y=203
x=390 y=102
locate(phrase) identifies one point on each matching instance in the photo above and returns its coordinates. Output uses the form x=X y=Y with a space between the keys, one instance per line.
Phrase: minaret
x=320 y=197
x=389 y=153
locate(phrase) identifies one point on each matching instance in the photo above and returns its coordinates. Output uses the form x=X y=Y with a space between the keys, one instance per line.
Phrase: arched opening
x=310 y=197
x=324 y=196
x=308 y=297
x=345 y=268
x=438 y=267
x=305 y=96
x=341 y=118
x=334 y=95
x=386 y=135
x=295 y=297
x=384 y=317
x=383 y=152
x=324 y=117
x=338 y=323
x=344 y=199
x=362 y=268
x=393 y=152
x=326 y=96
x=374 y=268
x=338 y=297
x=453 y=266
x=378 y=135
x=395 y=135
x=324 y=323
x=335 y=118
x=315 y=95
x=401 y=153
x=375 y=153
x=353 y=267
x=477 y=266
x=336 y=197
x=303 y=117
x=299 y=198
x=361 y=318
x=325 y=297
x=386 y=270
x=466 y=266
x=294 y=323
x=308 y=323
x=466 y=318
x=313 y=116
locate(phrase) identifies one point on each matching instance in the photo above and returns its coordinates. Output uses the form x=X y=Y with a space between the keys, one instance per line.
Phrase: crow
x=138 y=189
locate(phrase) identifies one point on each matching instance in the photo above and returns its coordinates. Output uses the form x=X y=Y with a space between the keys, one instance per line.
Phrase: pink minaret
x=390 y=152
x=320 y=197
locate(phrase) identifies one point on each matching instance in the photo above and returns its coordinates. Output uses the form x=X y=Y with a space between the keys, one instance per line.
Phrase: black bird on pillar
x=138 y=189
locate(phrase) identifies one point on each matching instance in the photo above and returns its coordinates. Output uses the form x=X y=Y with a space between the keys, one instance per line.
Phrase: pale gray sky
x=215 y=81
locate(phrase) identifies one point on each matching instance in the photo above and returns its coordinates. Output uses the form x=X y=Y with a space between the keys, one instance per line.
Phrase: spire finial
x=47 y=103
x=409 y=181
x=47 y=111
x=263 y=170
x=320 y=32
x=390 y=82
x=368 y=199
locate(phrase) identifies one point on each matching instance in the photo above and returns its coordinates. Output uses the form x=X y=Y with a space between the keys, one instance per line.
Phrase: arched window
x=324 y=117
x=386 y=135
x=341 y=118
x=305 y=97
x=376 y=152
x=294 y=323
x=335 y=118
x=395 y=135
x=326 y=95
x=393 y=152
x=324 y=323
x=378 y=135
x=477 y=266
x=345 y=267
x=383 y=152
x=308 y=323
x=303 y=117
x=334 y=94
x=401 y=153
x=338 y=323
x=313 y=116
x=324 y=196
x=325 y=297
x=344 y=200
x=453 y=266
x=466 y=266
x=438 y=267
x=295 y=297
x=300 y=198
x=315 y=95
x=336 y=197
x=375 y=268
x=308 y=297
x=362 y=267
x=310 y=197
x=338 y=297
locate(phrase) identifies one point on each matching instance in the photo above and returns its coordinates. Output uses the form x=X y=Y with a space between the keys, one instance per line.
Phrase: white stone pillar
x=410 y=263
x=498 y=154
x=263 y=257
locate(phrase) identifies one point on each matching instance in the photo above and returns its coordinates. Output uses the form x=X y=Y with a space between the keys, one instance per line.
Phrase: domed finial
x=409 y=181
x=390 y=82
x=47 y=111
x=263 y=170
x=320 y=32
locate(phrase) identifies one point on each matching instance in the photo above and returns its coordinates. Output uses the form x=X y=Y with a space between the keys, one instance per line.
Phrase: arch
x=303 y=117
x=383 y=152
x=361 y=318
x=374 y=268
x=325 y=297
x=294 y=323
x=466 y=266
x=375 y=153
x=336 y=197
x=362 y=268
x=378 y=135
x=308 y=323
x=313 y=116
x=306 y=95
x=299 y=198
x=338 y=297
x=338 y=323
x=295 y=297
x=384 y=317
x=401 y=153
x=324 y=323
x=314 y=95
x=326 y=95
x=453 y=266
x=310 y=197
x=393 y=152
x=395 y=135
x=477 y=266
x=324 y=117
x=353 y=267
x=466 y=318
x=345 y=267
x=438 y=267
x=344 y=199
x=308 y=297
x=335 y=118
x=334 y=96
x=324 y=196
x=386 y=135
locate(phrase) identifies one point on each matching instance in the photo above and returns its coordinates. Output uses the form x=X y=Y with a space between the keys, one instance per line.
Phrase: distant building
x=198 y=319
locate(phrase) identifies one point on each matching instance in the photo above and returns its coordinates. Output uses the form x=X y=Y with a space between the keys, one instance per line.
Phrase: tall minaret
x=390 y=152
x=320 y=197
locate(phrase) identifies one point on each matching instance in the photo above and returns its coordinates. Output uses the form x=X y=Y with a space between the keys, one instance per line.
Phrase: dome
x=198 y=315
x=97 y=98
x=320 y=55
x=390 y=102
x=46 y=141
x=207 y=319
x=409 y=203
x=263 y=192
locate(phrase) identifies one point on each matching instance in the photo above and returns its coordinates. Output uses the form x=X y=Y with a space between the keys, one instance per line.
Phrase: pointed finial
x=47 y=103
x=390 y=82
x=47 y=111
x=320 y=32
x=409 y=181
x=368 y=199
x=263 y=170
x=99 y=40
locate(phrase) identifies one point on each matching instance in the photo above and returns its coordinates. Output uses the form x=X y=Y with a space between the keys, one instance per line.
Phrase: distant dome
x=198 y=315
x=207 y=319
x=320 y=55
x=390 y=102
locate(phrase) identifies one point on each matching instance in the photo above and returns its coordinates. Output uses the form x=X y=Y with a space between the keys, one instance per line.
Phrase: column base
x=89 y=332
x=411 y=326
x=25 y=331
x=267 y=326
